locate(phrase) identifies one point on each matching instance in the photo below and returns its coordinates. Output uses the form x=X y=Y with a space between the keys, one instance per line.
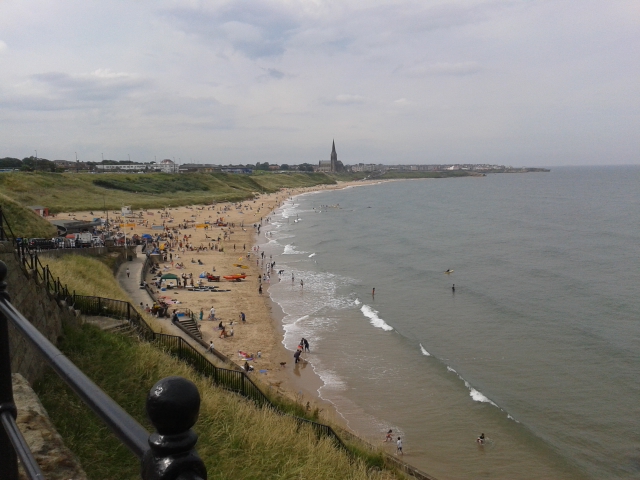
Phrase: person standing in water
x=453 y=288
x=373 y=292
x=399 y=446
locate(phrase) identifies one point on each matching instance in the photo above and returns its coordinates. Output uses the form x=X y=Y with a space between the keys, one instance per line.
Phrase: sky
x=523 y=83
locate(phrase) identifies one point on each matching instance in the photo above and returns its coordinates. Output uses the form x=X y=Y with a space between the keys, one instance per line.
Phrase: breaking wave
x=374 y=319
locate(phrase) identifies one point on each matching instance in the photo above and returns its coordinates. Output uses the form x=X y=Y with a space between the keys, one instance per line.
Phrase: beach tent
x=169 y=276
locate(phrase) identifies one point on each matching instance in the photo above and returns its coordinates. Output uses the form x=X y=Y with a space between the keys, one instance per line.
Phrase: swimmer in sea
x=480 y=439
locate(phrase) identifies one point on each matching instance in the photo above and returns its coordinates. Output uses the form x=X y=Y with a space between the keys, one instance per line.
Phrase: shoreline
x=264 y=330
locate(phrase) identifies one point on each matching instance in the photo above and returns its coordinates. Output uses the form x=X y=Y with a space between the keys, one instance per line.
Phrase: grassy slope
x=73 y=192
x=24 y=222
x=86 y=275
x=237 y=440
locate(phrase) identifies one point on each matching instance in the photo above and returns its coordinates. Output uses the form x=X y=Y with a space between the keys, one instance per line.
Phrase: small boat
x=448 y=271
x=237 y=277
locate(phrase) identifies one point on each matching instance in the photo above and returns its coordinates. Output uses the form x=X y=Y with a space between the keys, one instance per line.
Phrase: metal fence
x=233 y=380
x=155 y=459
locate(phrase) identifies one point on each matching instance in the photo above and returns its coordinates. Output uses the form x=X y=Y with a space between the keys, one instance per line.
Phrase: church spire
x=334 y=157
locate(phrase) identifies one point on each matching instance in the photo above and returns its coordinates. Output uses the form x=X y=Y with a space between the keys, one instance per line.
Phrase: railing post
x=2 y=235
x=128 y=311
x=8 y=457
x=173 y=405
x=99 y=306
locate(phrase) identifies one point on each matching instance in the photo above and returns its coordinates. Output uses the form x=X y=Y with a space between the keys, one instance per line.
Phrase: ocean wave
x=312 y=255
x=290 y=250
x=476 y=395
x=374 y=319
x=424 y=352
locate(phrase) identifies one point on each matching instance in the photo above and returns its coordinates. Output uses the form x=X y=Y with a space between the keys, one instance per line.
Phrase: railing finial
x=173 y=405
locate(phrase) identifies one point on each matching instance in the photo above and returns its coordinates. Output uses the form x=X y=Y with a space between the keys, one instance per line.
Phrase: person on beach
x=212 y=313
x=373 y=292
x=399 y=446
x=453 y=288
x=389 y=438
x=201 y=313
x=210 y=348
x=243 y=318
x=301 y=284
x=260 y=289
x=305 y=345
x=297 y=356
x=128 y=272
x=480 y=439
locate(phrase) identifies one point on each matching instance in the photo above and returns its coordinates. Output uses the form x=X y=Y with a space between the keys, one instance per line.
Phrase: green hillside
x=68 y=192
x=24 y=222
x=237 y=440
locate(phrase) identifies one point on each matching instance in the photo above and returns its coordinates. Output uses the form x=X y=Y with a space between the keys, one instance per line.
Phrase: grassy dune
x=65 y=192
x=24 y=222
x=236 y=439
x=86 y=275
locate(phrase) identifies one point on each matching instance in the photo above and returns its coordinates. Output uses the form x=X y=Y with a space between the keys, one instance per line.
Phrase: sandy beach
x=219 y=250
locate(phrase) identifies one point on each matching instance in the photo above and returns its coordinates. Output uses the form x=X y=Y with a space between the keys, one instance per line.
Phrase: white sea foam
x=357 y=302
x=312 y=255
x=424 y=352
x=473 y=393
x=290 y=250
x=374 y=319
x=478 y=396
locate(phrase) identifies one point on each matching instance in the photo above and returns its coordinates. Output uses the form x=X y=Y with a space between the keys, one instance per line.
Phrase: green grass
x=70 y=192
x=24 y=222
x=236 y=439
x=86 y=275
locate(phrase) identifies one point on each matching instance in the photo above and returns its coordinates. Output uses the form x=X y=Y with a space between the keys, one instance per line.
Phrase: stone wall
x=55 y=460
x=39 y=308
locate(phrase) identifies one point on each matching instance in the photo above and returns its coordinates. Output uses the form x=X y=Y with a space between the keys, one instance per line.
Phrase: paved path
x=131 y=285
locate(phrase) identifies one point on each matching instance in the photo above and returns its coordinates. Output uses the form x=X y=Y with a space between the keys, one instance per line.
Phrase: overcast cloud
x=523 y=83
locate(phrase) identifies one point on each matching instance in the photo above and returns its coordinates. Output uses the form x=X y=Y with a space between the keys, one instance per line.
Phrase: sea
x=537 y=347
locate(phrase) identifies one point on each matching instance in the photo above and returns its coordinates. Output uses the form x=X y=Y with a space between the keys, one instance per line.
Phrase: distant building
x=167 y=166
x=329 y=166
x=245 y=170
x=199 y=168
x=40 y=210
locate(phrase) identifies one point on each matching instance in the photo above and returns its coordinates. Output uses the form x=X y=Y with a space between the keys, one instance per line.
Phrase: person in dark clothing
x=297 y=356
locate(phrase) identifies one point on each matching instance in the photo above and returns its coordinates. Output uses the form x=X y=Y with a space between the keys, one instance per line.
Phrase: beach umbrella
x=146 y=235
x=169 y=276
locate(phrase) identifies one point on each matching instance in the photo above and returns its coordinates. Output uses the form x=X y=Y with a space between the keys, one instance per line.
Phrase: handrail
x=238 y=382
x=165 y=405
x=129 y=431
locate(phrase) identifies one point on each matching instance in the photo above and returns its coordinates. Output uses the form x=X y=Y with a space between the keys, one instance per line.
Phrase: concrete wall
x=40 y=309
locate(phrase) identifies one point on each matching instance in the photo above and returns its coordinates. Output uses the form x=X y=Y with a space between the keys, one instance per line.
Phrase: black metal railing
x=109 y=307
x=159 y=453
x=5 y=229
x=234 y=380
